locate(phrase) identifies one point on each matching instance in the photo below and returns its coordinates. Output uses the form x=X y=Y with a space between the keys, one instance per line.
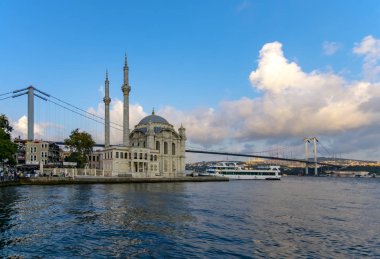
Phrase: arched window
x=165 y=147
x=158 y=145
x=173 y=149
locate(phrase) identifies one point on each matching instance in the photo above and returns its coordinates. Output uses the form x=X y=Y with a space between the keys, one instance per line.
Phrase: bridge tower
x=30 y=92
x=307 y=141
x=315 y=156
x=30 y=113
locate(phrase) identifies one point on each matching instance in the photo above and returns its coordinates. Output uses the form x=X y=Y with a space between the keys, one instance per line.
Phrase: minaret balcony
x=106 y=100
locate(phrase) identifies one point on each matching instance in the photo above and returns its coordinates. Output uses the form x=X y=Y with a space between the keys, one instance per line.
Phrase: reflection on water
x=295 y=217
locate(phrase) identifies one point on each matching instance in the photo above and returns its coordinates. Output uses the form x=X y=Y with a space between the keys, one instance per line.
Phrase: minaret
x=107 y=101
x=126 y=88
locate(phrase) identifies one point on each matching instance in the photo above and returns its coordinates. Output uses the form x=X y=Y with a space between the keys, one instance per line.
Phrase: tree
x=8 y=149
x=80 y=145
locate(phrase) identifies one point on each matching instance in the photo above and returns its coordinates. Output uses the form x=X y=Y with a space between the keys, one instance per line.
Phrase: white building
x=41 y=152
x=153 y=148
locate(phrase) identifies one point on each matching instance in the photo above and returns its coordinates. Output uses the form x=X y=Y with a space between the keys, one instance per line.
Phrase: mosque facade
x=152 y=149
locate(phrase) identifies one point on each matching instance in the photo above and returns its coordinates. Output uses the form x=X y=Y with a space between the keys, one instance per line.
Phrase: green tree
x=8 y=149
x=80 y=145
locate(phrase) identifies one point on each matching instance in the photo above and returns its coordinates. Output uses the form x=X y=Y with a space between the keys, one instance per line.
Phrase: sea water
x=297 y=217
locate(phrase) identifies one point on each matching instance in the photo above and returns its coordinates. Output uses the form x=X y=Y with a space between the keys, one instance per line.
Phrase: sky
x=241 y=76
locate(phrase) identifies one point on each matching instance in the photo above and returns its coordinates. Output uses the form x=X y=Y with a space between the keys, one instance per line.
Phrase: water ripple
x=293 y=218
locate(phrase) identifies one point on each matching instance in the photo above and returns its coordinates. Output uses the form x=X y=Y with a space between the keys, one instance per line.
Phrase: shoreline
x=106 y=180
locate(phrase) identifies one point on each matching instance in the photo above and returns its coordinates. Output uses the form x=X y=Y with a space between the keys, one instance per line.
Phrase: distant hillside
x=323 y=159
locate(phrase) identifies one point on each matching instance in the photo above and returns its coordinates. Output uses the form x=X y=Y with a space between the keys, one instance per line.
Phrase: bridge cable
x=5 y=98
x=324 y=147
x=83 y=115
x=5 y=93
x=83 y=110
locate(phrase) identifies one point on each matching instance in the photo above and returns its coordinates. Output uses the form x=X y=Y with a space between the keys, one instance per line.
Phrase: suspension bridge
x=50 y=118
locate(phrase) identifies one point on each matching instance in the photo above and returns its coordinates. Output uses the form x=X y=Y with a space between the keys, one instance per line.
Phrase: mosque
x=152 y=149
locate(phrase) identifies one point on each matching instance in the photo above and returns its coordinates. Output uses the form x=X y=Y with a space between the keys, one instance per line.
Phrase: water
x=296 y=217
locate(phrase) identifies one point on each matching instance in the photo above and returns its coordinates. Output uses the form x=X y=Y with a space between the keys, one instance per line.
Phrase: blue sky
x=184 y=56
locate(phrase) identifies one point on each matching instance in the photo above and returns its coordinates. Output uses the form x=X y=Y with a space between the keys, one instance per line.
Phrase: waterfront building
x=94 y=159
x=41 y=152
x=153 y=148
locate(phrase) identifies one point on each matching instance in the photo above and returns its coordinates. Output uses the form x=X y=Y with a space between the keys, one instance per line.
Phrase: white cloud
x=20 y=129
x=330 y=48
x=369 y=47
x=293 y=104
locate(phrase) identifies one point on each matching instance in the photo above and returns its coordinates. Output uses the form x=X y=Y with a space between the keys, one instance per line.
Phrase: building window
x=141 y=156
x=117 y=154
x=165 y=165
x=135 y=155
x=151 y=157
x=126 y=155
x=155 y=157
x=144 y=144
x=35 y=149
x=158 y=145
x=121 y=154
x=165 y=147
x=173 y=149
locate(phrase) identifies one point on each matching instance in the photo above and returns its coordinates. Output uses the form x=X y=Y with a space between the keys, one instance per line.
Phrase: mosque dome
x=154 y=119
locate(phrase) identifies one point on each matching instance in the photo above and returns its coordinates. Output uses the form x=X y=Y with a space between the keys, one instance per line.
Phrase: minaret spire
x=126 y=71
x=107 y=101
x=126 y=88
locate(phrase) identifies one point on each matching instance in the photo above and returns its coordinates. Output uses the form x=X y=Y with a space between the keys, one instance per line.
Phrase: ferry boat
x=234 y=171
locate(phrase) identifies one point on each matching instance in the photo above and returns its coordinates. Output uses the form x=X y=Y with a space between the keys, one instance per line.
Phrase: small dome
x=154 y=119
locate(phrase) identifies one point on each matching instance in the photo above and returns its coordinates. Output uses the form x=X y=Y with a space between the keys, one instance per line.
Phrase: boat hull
x=248 y=177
